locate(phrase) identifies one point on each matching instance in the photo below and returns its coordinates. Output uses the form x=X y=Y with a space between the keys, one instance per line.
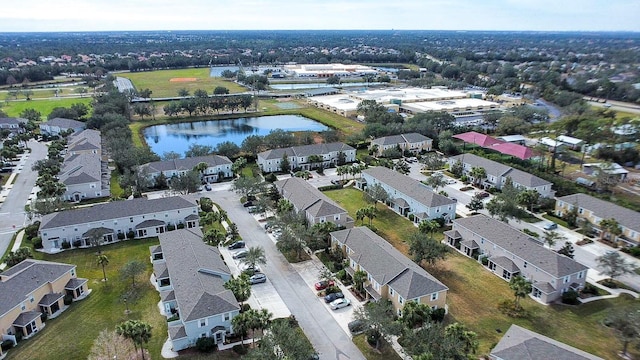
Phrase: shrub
x=245 y=307
x=412 y=217
x=207 y=344
x=68 y=299
x=464 y=178
x=570 y=297
x=121 y=236
x=341 y=275
x=331 y=290
x=77 y=243
x=437 y=315
x=173 y=318
x=531 y=233
x=31 y=231
x=43 y=317
x=171 y=227
x=330 y=187
x=293 y=322
x=240 y=349
x=372 y=228
x=484 y=260
x=65 y=245
x=271 y=178
x=37 y=242
x=131 y=235
x=6 y=345
x=590 y=289
x=180 y=226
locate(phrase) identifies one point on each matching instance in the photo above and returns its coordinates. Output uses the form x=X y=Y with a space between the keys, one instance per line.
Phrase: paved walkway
x=16 y=246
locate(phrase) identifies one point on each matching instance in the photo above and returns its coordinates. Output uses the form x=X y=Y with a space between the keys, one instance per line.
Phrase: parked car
x=321 y=285
x=357 y=327
x=240 y=254
x=451 y=182
x=339 y=303
x=248 y=203
x=483 y=195
x=257 y=278
x=207 y=187
x=236 y=245
x=551 y=226
x=252 y=209
x=336 y=182
x=250 y=268
x=333 y=296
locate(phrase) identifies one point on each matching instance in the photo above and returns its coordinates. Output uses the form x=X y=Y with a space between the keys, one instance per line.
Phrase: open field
x=159 y=82
x=40 y=93
x=71 y=335
x=474 y=294
x=45 y=106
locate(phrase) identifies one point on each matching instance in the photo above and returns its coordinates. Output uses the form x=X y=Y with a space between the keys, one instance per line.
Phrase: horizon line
x=266 y=30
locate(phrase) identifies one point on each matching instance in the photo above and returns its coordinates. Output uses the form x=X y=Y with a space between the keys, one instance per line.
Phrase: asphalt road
x=326 y=336
x=12 y=216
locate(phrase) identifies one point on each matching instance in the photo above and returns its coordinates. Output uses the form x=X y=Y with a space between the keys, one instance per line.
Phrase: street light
x=126 y=305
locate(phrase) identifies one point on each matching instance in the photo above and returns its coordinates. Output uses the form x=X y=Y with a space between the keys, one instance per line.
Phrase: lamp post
x=126 y=305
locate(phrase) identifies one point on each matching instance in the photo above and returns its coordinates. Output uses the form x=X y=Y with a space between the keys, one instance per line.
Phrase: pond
x=178 y=137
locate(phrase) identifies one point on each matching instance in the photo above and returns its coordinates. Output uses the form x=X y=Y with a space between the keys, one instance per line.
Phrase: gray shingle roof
x=25 y=318
x=81 y=168
x=177 y=332
x=64 y=123
x=75 y=283
x=12 y=121
x=305 y=197
x=521 y=344
x=113 y=210
x=150 y=223
x=408 y=186
x=498 y=170
x=305 y=150
x=605 y=210
x=187 y=163
x=85 y=140
x=26 y=277
x=387 y=265
x=505 y=263
x=520 y=244
x=402 y=138
x=196 y=271
x=50 y=299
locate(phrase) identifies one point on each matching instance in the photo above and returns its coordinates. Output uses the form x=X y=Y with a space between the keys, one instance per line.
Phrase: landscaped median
x=474 y=293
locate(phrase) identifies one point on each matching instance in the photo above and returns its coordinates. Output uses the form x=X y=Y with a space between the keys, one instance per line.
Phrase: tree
x=552 y=237
x=380 y=318
x=478 y=174
x=138 y=331
x=252 y=144
x=110 y=345
x=476 y=203
x=415 y=314
x=423 y=248
x=255 y=255
x=241 y=324
x=186 y=183
x=183 y=92
x=614 y=265
x=238 y=165
x=468 y=338
x=359 y=277
x=131 y=270
x=228 y=149
x=436 y=180
x=240 y=287
x=16 y=257
x=31 y=114
x=521 y=287
x=220 y=90
x=213 y=237
x=428 y=227
x=376 y=192
x=432 y=343
x=103 y=261
x=246 y=185
x=369 y=212
x=285 y=165
x=528 y=198
x=609 y=226
x=196 y=150
x=567 y=250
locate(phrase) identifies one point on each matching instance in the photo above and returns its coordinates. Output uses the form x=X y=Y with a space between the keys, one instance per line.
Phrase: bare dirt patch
x=183 y=79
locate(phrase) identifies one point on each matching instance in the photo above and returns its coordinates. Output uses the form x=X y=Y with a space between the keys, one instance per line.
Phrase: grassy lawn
x=391 y=226
x=161 y=86
x=71 y=335
x=386 y=352
x=474 y=294
x=14 y=108
x=39 y=93
x=557 y=220
x=116 y=190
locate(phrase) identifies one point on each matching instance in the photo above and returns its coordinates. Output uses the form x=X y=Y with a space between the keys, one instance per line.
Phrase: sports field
x=44 y=106
x=165 y=83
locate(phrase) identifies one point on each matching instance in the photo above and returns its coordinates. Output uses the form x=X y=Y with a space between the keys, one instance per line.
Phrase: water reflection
x=179 y=136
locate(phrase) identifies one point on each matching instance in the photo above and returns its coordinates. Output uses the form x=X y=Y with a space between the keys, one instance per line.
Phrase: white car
x=244 y=266
x=451 y=182
x=339 y=303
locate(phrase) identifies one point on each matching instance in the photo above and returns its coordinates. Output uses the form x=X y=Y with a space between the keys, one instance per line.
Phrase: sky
x=104 y=15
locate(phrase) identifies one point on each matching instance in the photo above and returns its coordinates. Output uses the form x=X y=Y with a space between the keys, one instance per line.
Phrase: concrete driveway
x=326 y=336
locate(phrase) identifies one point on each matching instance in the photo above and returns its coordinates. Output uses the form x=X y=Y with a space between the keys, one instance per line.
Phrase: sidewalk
x=16 y=246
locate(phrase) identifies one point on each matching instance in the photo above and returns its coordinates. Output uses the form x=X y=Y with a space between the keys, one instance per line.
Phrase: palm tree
x=370 y=212
x=213 y=237
x=240 y=325
x=359 y=277
x=138 y=331
x=255 y=255
x=240 y=287
x=428 y=227
x=609 y=226
x=521 y=287
x=264 y=319
x=360 y=214
x=478 y=173
x=468 y=338
x=552 y=237
x=415 y=314
x=103 y=261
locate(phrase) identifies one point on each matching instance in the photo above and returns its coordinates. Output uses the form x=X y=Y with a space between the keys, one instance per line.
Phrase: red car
x=321 y=285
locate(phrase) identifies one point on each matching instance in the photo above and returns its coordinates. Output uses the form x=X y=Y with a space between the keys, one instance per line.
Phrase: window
x=130 y=219
x=434 y=296
x=434 y=307
x=31 y=299
x=401 y=300
x=391 y=292
x=203 y=322
x=580 y=274
x=580 y=210
x=23 y=307
x=565 y=279
x=525 y=265
x=227 y=316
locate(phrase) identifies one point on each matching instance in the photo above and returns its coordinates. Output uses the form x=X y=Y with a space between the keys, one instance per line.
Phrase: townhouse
x=85 y=172
x=307 y=157
x=411 y=142
x=408 y=196
x=13 y=125
x=317 y=207
x=595 y=210
x=390 y=275
x=507 y=252
x=114 y=221
x=218 y=168
x=497 y=174
x=190 y=276
x=56 y=126
x=519 y=343
x=32 y=292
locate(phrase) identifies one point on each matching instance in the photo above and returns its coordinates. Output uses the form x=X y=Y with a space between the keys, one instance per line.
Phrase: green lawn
x=474 y=294
x=386 y=352
x=43 y=93
x=14 y=108
x=391 y=226
x=71 y=335
x=161 y=86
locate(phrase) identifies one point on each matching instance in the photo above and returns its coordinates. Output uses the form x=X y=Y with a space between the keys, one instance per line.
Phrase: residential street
x=12 y=216
x=327 y=337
